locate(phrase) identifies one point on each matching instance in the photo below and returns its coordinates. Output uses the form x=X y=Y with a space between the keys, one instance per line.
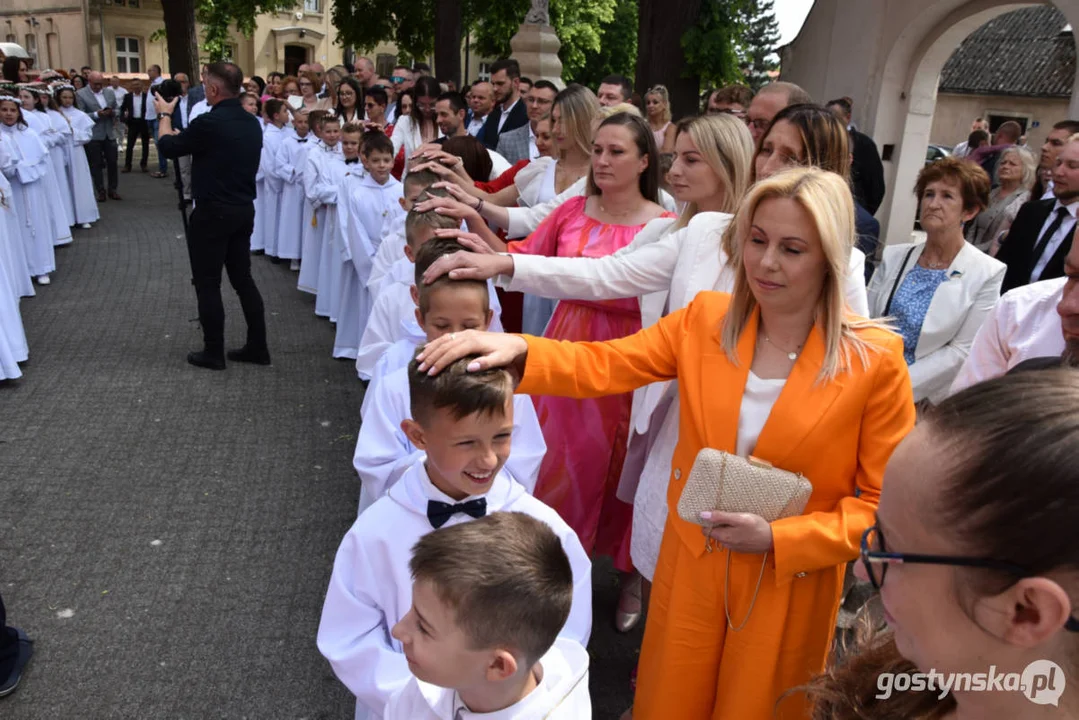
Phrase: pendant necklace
x=792 y=356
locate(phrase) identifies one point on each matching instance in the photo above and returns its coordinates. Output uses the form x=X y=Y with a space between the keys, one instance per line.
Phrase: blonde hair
x=1027 y=162
x=606 y=112
x=578 y=108
x=826 y=197
x=660 y=91
x=726 y=145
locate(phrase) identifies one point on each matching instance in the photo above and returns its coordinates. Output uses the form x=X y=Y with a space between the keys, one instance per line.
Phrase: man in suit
x=520 y=144
x=481 y=101
x=867 y=171
x=197 y=93
x=100 y=104
x=509 y=113
x=135 y=111
x=1041 y=235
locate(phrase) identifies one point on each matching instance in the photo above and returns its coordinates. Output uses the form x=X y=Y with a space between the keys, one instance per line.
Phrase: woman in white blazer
x=939 y=292
x=419 y=127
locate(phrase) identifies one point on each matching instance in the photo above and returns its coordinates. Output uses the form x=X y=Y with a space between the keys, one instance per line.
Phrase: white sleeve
x=401 y=129
x=316 y=184
x=383 y=453
x=523 y=220
x=529 y=447
x=646 y=268
x=857 y=299
x=988 y=355
x=354 y=634
x=499 y=164
x=283 y=160
x=377 y=336
x=579 y=623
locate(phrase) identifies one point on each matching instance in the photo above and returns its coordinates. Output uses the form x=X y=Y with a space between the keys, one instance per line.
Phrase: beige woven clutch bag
x=730 y=483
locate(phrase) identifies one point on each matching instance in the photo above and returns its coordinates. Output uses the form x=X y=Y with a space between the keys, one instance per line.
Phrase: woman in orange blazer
x=779 y=370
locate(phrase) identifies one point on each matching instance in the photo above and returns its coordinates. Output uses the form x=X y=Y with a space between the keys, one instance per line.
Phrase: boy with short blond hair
x=489 y=599
x=383 y=450
x=463 y=422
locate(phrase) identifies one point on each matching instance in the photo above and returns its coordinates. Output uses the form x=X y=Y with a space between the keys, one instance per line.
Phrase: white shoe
x=43 y=280
x=294 y=266
x=85 y=226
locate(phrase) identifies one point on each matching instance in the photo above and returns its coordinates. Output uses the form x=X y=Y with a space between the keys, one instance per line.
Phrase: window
x=31 y=47
x=484 y=72
x=128 y=59
x=314 y=6
x=126 y=3
x=384 y=64
x=11 y=38
x=228 y=52
x=52 y=48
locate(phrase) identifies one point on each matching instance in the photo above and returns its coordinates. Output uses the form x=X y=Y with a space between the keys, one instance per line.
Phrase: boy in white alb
x=320 y=185
x=267 y=182
x=463 y=421
x=371 y=203
x=288 y=166
x=393 y=317
x=383 y=451
x=489 y=598
x=392 y=247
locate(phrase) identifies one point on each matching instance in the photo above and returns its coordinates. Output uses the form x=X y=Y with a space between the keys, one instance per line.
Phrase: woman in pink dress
x=586 y=439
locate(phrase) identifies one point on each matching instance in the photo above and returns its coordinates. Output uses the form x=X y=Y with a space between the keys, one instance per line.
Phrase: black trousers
x=219 y=236
x=101 y=154
x=9 y=645
x=136 y=130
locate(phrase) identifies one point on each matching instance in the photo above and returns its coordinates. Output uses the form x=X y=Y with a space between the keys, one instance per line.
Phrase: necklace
x=791 y=355
x=605 y=211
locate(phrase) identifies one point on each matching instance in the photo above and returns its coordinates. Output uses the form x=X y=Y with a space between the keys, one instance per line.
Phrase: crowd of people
x=684 y=288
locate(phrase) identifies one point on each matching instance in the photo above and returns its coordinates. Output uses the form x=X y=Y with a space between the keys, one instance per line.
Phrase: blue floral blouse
x=911 y=303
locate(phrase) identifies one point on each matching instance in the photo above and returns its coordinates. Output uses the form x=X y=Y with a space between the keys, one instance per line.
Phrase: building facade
x=125 y=37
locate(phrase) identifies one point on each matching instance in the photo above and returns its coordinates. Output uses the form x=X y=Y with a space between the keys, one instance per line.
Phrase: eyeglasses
x=758 y=124
x=397 y=80
x=876 y=559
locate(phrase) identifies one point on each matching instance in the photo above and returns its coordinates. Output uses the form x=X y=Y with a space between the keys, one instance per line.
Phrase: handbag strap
x=727 y=593
x=898 y=278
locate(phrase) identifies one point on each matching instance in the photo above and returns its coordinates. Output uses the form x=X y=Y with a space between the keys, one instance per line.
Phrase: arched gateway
x=888 y=55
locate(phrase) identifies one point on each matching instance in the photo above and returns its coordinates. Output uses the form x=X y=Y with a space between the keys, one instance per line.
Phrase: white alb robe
x=78 y=167
x=561 y=693
x=370 y=588
x=384 y=452
x=369 y=207
x=39 y=123
x=320 y=189
x=267 y=193
x=25 y=164
x=288 y=167
x=12 y=249
x=390 y=250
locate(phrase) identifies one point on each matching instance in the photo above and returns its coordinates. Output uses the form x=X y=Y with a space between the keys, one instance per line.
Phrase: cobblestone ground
x=167 y=533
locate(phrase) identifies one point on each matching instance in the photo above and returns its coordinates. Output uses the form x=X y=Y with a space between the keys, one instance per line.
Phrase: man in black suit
x=509 y=112
x=225 y=145
x=1041 y=235
x=867 y=171
x=135 y=111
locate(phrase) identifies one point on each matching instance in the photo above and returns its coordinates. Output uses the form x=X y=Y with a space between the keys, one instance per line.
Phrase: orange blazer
x=839 y=434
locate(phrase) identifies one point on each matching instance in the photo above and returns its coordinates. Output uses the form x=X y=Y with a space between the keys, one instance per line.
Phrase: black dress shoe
x=204 y=359
x=23 y=654
x=247 y=355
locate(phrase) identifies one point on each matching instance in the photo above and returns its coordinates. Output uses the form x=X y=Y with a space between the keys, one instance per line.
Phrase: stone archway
x=888 y=56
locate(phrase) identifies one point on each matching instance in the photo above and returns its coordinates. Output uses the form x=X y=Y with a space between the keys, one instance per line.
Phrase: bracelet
x=479 y=206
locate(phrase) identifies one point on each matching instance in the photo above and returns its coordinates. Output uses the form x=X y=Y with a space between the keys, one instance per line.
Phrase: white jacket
x=959 y=307
x=562 y=694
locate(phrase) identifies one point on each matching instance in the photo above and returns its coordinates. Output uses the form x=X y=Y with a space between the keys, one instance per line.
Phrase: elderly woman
x=939 y=292
x=777 y=370
x=1015 y=176
x=974 y=551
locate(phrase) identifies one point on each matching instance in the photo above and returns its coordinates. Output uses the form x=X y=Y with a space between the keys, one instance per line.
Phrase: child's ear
x=502 y=666
x=414 y=433
x=415 y=297
x=409 y=254
x=419 y=317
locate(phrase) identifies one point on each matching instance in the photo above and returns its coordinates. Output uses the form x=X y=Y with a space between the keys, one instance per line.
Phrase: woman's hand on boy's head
x=468 y=265
x=448 y=206
x=438 y=169
x=470 y=240
x=494 y=349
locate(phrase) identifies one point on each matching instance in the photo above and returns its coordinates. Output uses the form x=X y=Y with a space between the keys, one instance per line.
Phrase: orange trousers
x=694 y=667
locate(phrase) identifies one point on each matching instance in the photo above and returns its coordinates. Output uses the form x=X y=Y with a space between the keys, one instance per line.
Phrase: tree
x=661 y=57
x=618 y=47
x=758 y=42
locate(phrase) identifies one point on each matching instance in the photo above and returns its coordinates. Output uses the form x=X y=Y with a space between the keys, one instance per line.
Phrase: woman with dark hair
x=78 y=82
x=475 y=159
x=273 y=86
x=14 y=70
x=309 y=88
x=349 y=101
x=974 y=552
x=418 y=127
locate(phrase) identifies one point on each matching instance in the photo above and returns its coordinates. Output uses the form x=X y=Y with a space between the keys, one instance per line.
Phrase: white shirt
x=1023 y=325
x=136 y=105
x=506 y=113
x=157 y=81
x=1063 y=232
x=200 y=108
x=1048 y=194
x=533 y=152
x=757 y=400
x=476 y=125
x=100 y=97
x=120 y=93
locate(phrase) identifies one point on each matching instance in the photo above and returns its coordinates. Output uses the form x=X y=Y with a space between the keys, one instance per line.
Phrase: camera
x=168 y=90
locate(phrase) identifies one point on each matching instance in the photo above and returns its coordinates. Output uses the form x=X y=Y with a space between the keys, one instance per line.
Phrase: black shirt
x=225 y=145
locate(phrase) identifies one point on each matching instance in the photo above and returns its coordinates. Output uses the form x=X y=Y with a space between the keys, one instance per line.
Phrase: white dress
x=12 y=249
x=368 y=207
x=13 y=347
x=59 y=138
x=78 y=167
x=25 y=165
x=288 y=166
x=39 y=123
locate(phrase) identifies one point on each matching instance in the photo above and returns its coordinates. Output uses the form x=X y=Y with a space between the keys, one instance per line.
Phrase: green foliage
x=578 y=24
x=618 y=48
x=733 y=41
x=215 y=16
x=758 y=43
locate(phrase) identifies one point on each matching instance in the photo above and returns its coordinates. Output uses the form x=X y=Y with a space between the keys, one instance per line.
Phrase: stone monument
x=535 y=46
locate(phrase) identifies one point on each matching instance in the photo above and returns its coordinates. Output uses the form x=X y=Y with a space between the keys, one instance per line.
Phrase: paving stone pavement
x=167 y=533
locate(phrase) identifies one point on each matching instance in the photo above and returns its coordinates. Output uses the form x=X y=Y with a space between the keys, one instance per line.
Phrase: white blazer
x=666 y=269
x=958 y=309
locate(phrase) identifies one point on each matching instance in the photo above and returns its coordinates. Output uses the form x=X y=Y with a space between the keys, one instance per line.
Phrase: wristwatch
x=164 y=115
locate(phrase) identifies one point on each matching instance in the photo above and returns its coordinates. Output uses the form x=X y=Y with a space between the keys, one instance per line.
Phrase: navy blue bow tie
x=350 y=161
x=439 y=512
x=301 y=139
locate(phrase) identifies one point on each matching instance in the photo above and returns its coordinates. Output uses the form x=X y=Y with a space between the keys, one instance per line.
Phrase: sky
x=791 y=14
